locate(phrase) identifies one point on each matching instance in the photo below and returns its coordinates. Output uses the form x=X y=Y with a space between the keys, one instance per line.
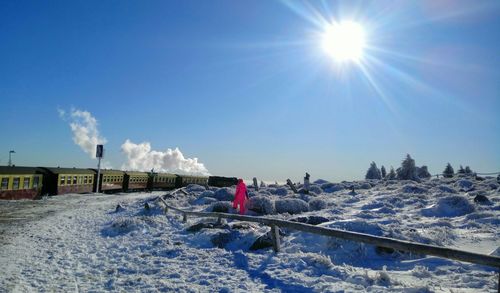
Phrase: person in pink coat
x=240 y=196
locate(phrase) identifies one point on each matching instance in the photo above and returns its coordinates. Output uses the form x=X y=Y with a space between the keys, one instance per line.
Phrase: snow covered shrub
x=224 y=194
x=413 y=189
x=373 y=172
x=423 y=172
x=464 y=184
x=365 y=185
x=207 y=193
x=261 y=204
x=391 y=175
x=449 y=206
x=317 y=204
x=448 y=171
x=407 y=171
x=331 y=187
x=195 y=188
x=281 y=191
x=291 y=206
x=221 y=207
x=445 y=188
x=315 y=189
x=204 y=201
x=317 y=260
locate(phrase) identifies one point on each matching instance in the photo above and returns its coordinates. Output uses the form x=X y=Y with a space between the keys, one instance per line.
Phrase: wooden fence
x=402 y=245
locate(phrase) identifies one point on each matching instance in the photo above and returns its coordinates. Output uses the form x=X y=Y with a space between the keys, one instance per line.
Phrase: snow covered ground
x=82 y=243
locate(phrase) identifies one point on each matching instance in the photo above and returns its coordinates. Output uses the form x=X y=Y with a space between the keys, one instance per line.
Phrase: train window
x=5 y=183
x=74 y=179
x=26 y=183
x=62 y=180
x=15 y=184
x=36 y=179
x=84 y=179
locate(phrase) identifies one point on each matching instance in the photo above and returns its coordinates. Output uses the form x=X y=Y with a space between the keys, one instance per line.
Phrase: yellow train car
x=20 y=182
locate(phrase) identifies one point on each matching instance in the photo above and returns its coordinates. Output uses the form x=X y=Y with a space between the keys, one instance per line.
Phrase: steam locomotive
x=33 y=182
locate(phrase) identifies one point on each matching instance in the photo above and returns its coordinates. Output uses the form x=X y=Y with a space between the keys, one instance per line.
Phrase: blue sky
x=245 y=87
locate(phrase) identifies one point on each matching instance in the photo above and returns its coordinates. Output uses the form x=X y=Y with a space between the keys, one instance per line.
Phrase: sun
x=344 y=41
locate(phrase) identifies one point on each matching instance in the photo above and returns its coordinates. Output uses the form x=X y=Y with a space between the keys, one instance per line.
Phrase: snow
x=84 y=243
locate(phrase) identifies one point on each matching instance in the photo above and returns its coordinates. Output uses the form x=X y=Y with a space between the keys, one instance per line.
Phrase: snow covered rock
x=465 y=185
x=481 y=199
x=291 y=206
x=449 y=206
x=331 y=187
x=224 y=194
x=265 y=241
x=221 y=207
x=315 y=189
x=317 y=204
x=195 y=188
x=413 y=189
x=204 y=201
x=220 y=240
x=445 y=188
x=203 y=225
x=261 y=204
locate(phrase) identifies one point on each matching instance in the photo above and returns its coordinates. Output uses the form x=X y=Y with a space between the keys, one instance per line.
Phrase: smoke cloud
x=140 y=157
x=85 y=133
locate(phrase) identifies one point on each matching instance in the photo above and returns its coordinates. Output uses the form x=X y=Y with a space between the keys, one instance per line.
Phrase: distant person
x=240 y=196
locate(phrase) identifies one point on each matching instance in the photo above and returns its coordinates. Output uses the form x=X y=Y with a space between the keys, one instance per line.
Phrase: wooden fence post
x=289 y=182
x=255 y=185
x=306 y=182
x=275 y=235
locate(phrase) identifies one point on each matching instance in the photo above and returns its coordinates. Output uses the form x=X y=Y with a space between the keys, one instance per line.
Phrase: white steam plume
x=85 y=132
x=140 y=157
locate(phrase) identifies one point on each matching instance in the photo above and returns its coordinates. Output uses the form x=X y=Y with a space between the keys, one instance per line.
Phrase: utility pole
x=10 y=157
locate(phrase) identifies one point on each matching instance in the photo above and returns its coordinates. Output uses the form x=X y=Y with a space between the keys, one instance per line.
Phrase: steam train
x=33 y=182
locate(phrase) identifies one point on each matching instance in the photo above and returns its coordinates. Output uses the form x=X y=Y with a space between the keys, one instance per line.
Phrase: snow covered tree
x=422 y=172
x=468 y=170
x=448 y=171
x=461 y=170
x=392 y=174
x=373 y=172
x=408 y=171
x=382 y=171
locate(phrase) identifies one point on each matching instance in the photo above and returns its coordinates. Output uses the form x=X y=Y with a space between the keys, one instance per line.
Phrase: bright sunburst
x=344 y=41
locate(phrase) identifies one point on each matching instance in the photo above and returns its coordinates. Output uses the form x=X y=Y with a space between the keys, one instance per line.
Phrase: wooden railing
x=402 y=245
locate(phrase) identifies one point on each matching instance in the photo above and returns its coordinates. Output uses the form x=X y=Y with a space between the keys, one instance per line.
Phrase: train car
x=185 y=180
x=110 y=180
x=136 y=181
x=162 y=181
x=57 y=181
x=20 y=182
x=219 y=181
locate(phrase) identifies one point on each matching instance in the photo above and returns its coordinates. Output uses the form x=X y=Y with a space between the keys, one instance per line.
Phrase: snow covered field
x=81 y=243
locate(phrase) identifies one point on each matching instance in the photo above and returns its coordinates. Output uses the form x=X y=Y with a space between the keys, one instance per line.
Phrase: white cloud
x=140 y=157
x=84 y=128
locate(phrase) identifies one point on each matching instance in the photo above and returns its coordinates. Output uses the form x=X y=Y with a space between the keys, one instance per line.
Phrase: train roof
x=136 y=173
x=58 y=170
x=165 y=174
x=19 y=170
x=109 y=171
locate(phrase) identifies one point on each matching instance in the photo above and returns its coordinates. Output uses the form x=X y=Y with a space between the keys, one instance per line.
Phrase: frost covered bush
x=224 y=194
x=315 y=189
x=221 y=207
x=331 y=187
x=407 y=171
x=448 y=171
x=445 y=188
x=449 y=206
x=464 y=184
x=195 y=188
x=291 y=206
x=365 y=185
x=317 y=260
x=261 y=204
x=413 y=189
x=373 y=172
x=317 y=204
x=423 y=172
x=281 y=191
